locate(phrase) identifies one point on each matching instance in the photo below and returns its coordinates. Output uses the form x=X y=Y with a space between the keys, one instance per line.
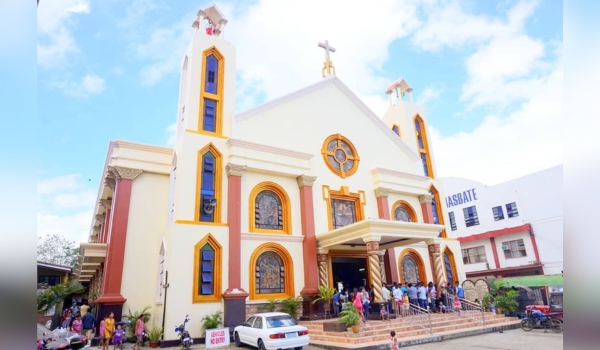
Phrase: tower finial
x=328 y=64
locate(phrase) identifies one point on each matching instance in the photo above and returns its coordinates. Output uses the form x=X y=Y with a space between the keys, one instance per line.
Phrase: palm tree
x=54 y=297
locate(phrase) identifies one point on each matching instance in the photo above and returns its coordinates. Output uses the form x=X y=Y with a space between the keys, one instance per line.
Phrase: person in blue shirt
x=336 y=303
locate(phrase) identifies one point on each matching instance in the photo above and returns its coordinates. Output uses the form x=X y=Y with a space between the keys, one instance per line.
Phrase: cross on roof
x=328 y=65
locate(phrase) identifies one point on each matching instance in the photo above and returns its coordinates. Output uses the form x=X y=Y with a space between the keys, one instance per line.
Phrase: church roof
x=325 y=82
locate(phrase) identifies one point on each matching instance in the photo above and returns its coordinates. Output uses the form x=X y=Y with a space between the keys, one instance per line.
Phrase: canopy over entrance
x=388 y=233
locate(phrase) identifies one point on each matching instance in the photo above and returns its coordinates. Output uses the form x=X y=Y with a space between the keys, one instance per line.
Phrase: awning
x=534 y=281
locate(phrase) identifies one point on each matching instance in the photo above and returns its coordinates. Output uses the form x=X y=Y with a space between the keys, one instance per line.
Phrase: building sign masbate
x=461 y=198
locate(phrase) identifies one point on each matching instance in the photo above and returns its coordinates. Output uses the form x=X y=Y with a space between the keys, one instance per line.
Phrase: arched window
x=423 y=146
x=209 y=185
x=436 y=209
x=412 y=269
x=207 y=270
x=402 y=211
x=271 y=273
x=396 y=129
x=450 y=266
x=211 y=93
x=269 y=209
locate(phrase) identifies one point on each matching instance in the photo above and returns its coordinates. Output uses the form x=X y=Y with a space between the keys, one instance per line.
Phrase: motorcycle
x=74 y=342
x=184 y=335
x=536 y=319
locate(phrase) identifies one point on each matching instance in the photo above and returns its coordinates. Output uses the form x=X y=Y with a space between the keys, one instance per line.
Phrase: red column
x=115 y=253
x=495 y=252
x=309 y=245
x=426 y=201
x=389 y=259
x=234 y=212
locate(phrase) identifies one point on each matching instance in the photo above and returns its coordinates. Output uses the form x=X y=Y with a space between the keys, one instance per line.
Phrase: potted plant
x=212 y=321
x=508 y=302
x=132 y=318
x=154 y=337
x=291 y=305
x=325 y=294
x=350 y=316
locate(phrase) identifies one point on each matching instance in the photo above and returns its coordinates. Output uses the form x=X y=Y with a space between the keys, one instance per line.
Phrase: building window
x=423 y=146
x=436 y=209
x=474 y=255
x=511 y=210
x=450 y=266
x=271 y=273
x=498 y=213
x=411 y=267
x=340 y=155
x=396 y=129
x=471 y=218
x=207 y=270
x=402 y=211
x=343 y=212
x=269 y=209
x=161 y=274
x=209 y=185
x=514 y=249
x=49 y=280
x=452 y=221
x=211 y=95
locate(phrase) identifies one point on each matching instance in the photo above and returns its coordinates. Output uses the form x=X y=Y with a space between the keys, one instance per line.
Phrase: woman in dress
x=109 y=329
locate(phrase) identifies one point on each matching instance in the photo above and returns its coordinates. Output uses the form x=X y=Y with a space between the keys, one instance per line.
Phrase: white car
x=271 y=331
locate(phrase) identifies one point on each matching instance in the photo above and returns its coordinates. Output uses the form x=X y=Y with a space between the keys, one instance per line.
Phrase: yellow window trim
x=188 y=222
x=206 y=133
x=404 y=204
x=217 y=274
x=288 y=268
x=420 y=264
x=218 y=183
x=418 y=119
x=344 y=193
x=217 y=97
x=341 y=173
x=285 y=208
x=452 y=264
x=438 y=207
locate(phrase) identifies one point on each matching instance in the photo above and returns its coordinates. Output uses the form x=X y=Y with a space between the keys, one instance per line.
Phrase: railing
x=472 y=310
x=418 y=316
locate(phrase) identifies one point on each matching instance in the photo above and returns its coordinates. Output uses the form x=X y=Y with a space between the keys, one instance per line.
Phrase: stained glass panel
x=346 y=148
x=333 y=162
x=270 y=277
x=448 y=268
x=410 y=270
x=348 y=165
x=343 y=212
x=268 y=211
x=206 y=286
x=332 y=145
x=402 y=214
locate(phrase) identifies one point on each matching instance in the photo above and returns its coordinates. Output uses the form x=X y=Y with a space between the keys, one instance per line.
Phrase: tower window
x=211 y=92
x=452 y=221
x=207 y=191
x=396 y=130
x=423 y=146
x=211 y=74
x=210 y=115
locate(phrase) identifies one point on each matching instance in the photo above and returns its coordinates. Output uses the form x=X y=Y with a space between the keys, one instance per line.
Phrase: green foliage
x=53 y=296
x=270 y=306
x=508 y=301
x=290 y=305
x=349 y=315
x=212 y=321
x=325 y=294
x=155 y=334
x=58 y=250
x=133 y=317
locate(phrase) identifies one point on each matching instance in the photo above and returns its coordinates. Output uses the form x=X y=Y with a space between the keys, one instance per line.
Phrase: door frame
x=346 y=254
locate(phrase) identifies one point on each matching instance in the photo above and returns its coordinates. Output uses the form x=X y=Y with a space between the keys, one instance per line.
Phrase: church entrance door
x=351 y=271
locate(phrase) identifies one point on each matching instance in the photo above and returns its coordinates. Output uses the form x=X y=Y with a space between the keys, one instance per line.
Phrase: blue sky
x=489 y=75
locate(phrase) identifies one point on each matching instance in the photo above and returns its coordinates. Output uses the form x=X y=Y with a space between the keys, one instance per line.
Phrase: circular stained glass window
x=340 y=155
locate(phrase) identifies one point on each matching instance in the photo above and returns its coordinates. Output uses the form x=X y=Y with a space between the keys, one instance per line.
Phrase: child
x=118 y=337
x=457 y=305
x=394 y=345
x=384 y=313
x=139 y=332
x=76 y=328
x=443 y=307
x=102 y=330
x=406 y=304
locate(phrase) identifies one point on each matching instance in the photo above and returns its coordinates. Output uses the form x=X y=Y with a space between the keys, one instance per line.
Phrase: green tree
x=54 y=297
x=58 y=250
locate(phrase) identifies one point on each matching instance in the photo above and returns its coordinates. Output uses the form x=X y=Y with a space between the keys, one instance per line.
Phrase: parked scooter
x=184 y=335
x=74 y=342
x=536 y=319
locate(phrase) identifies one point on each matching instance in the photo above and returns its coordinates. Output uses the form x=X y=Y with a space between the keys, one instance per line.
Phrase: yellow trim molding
x=344 y=193
x=217 y=272
x=452 y=264
x=288 y=266
x=339 y=150
x=425 y=149
x=397 y=131
x=420 y=264
x=404 y=204
x=218 y=97
x=286 y=210
x=438 y=207
x=206 y=133
x=218 y=171
x=188 y=222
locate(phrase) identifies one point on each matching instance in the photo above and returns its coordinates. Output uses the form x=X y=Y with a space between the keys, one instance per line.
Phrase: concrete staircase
x=376 y=334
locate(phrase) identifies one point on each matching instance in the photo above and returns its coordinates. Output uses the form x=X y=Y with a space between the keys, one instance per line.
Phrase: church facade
x=306 y=190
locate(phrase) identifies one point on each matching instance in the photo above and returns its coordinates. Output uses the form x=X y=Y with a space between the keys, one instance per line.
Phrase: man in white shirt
x=397 y=296
x=422 y=293
x=385 y=293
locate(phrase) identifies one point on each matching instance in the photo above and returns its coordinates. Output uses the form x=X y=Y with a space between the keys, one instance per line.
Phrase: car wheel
x=236 y=338
x=298 y=348
x=261 y=345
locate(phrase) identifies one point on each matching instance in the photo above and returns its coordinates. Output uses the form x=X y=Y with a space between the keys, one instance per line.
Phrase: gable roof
x=327 y=81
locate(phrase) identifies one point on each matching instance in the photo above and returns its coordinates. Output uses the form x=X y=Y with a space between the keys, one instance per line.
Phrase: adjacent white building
x=510 y=229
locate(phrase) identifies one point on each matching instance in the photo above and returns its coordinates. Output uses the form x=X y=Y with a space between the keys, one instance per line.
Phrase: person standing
x=88 y=323
x=336 y=304
x=413 y=294
x=385 y=293
x=109 y=329
x=358 y=304
x=422 y=295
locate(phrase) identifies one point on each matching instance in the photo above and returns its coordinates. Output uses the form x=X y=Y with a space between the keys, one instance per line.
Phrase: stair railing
x=472 y=310
x=419 y=317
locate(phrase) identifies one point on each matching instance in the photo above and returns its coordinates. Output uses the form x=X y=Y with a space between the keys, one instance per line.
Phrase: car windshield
x=281 y=321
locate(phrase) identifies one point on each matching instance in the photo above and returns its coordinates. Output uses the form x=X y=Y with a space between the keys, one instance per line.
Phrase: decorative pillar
x=434 y=255
x=111 y=299
x=234 y=297
x=374 y=269
x=323 y=275
x=426 y=200
x=199 y=19
x=382 y=266
x=309 y=244
x=383 y=209
x=107 y=204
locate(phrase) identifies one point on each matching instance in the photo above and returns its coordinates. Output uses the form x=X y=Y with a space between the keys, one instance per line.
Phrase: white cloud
x=55 y=37
x=58 y=184
x=74 y=227
x=429 y=94
x=171 y=132
x=88 y=85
